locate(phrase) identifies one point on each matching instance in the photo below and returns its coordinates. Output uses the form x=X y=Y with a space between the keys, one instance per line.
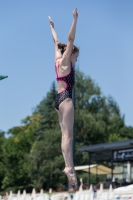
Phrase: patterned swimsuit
x=67 y=92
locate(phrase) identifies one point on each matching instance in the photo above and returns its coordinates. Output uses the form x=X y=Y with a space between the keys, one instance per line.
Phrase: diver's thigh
x=67 y=111
x=59 y=117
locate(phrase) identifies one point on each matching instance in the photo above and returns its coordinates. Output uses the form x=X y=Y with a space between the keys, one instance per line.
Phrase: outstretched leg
x=67 y=112
x=61 y=126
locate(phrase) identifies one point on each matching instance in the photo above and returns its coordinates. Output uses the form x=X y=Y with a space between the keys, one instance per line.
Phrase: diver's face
x=74 y=57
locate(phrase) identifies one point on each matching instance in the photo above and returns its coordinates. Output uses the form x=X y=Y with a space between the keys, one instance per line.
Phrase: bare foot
x=71 y=175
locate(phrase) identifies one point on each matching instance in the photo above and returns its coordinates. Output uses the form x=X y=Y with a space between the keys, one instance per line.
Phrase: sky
x=104 y=35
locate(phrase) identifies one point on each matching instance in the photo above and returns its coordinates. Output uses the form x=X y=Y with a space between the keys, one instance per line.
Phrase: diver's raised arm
x=55 y=38
x=71 y=37
x=54 y=34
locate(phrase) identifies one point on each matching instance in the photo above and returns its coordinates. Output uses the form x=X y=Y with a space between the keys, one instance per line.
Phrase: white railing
x=121 y=193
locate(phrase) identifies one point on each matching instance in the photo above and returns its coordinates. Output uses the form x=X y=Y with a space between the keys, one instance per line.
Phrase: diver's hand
x=75 y=13
x=50 y=21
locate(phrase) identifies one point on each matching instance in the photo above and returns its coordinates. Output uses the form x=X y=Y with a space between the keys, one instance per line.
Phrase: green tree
x=31 y=155
x=15 y=150
x=2 y=164
x=46 y=161
x=46 y=109
x=97 y=118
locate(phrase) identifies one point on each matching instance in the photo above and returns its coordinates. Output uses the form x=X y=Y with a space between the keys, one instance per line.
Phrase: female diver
x=65 y=58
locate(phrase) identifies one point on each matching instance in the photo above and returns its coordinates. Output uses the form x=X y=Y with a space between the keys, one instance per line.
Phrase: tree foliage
x=31 y=155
